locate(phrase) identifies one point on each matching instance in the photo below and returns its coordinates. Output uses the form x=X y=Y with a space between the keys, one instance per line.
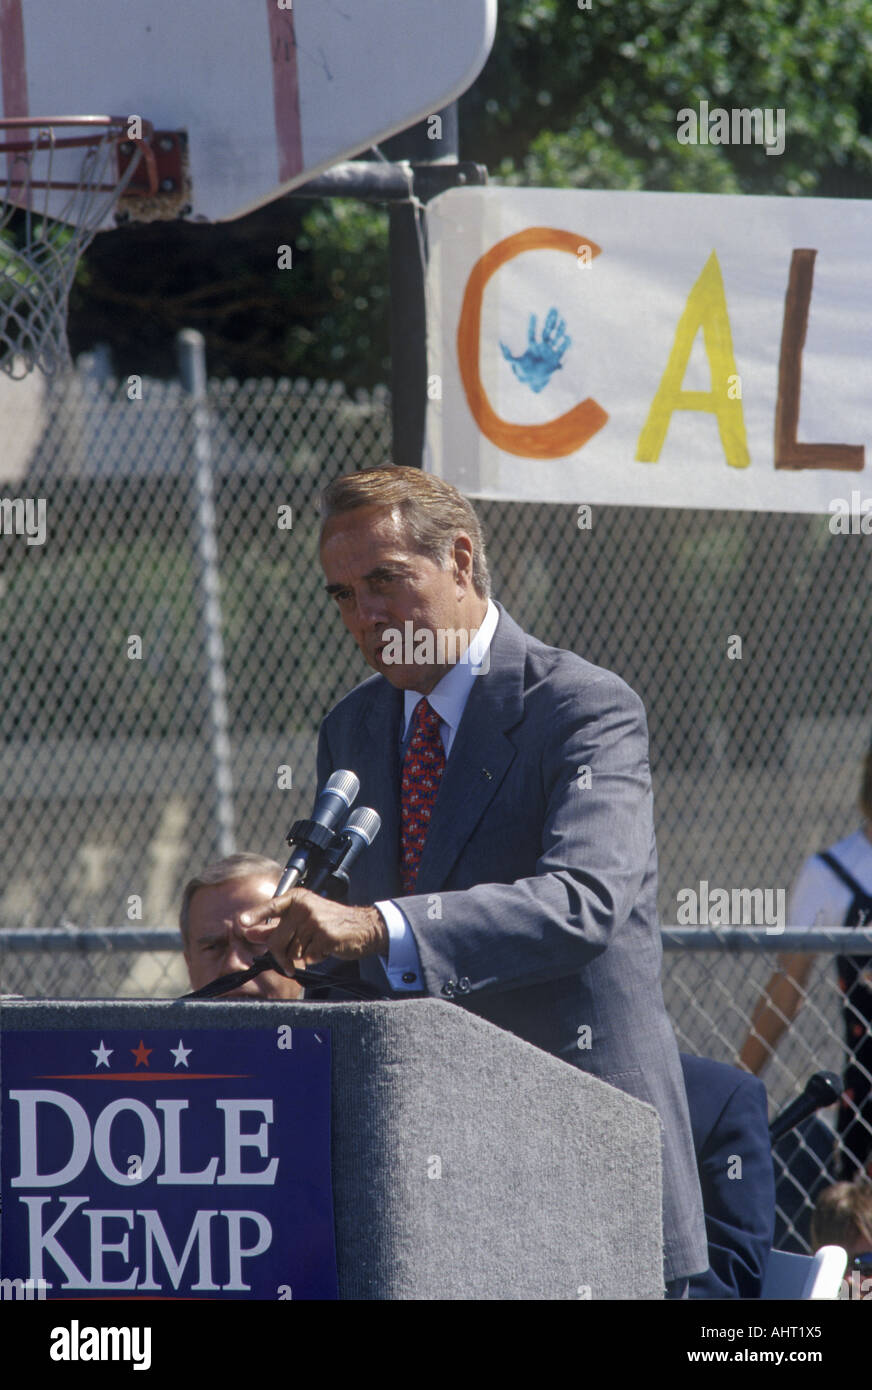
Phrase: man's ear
x=463 y=557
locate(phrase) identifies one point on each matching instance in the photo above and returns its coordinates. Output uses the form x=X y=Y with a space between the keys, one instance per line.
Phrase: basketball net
x=80 y=177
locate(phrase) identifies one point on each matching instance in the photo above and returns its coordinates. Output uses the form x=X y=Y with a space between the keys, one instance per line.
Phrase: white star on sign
x=181 y=1054
x=102 y=1053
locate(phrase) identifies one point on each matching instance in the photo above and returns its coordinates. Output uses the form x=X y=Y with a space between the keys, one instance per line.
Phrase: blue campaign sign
x=154 y=1165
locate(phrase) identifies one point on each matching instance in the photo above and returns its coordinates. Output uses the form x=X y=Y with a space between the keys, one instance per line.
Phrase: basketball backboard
x=268 y=92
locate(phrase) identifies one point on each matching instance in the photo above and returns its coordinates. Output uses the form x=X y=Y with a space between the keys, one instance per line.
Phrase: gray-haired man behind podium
x=516 y=869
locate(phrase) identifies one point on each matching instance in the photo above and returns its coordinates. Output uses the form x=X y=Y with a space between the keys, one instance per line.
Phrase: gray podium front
x=466 y=1163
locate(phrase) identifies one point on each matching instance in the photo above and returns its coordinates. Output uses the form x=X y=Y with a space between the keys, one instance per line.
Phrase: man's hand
x=311 y=928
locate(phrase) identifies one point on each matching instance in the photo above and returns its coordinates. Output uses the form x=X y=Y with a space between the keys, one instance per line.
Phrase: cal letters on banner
x=654 y=349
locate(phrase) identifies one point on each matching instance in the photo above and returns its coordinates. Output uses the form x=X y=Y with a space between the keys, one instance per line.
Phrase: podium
x=465 y=1163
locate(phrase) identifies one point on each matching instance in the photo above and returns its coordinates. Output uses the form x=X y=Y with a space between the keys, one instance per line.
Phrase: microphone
x=317 y=835
x=823 y=1088
x=362 y=827
x=357 y=834
x=328 y=868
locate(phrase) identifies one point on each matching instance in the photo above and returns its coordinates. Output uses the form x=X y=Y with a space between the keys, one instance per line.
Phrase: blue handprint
x=536 y=366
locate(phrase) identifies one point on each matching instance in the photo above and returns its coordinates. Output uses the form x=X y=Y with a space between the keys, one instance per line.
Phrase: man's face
x=380 y=583
x=218 y=945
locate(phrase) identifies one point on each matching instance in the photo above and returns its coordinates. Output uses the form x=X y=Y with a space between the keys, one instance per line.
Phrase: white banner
x=654 y=349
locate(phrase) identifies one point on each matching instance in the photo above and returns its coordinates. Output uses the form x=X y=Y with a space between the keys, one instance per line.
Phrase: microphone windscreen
x=343 y=783
x=364 y=822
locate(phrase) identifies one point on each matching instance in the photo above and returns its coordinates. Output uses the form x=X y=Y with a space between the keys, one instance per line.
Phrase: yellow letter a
x=706 y=308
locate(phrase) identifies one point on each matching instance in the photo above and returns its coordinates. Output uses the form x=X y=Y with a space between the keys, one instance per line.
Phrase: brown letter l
x=789 y=453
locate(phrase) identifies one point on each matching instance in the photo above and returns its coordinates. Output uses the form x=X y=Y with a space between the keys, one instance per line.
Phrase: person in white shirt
x=832 y=889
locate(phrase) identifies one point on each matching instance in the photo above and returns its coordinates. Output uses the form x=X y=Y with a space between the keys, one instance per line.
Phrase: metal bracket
x=167 y=193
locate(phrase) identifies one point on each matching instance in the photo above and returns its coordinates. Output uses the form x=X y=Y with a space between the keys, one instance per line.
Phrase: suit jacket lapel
x=480 y=755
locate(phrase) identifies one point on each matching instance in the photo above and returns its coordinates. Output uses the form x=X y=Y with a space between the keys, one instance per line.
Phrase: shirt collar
x=449 y=697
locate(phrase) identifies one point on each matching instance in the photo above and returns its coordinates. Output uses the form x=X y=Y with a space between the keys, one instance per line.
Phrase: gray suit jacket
x=535 y=905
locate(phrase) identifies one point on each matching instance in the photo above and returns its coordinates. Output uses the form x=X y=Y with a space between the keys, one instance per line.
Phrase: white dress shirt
x=448 y=699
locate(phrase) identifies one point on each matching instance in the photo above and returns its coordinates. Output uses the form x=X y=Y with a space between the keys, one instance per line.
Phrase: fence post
x=191 y=350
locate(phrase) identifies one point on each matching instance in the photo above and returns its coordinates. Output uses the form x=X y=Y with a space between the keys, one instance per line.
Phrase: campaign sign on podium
x=159 y=1165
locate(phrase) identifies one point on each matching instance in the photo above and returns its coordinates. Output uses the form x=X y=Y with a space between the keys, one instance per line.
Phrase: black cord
x=313 y=979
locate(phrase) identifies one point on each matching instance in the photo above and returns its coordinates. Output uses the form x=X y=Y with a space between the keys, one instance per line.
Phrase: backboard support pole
x=408 y=269
x=408 y=330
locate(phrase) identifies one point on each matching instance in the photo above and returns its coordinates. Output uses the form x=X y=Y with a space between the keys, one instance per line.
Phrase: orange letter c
x=565 y=433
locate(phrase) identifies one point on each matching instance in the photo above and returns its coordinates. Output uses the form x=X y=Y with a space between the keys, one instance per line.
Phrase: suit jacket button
x=409 y=977
x=463 y=985
x=448 y=989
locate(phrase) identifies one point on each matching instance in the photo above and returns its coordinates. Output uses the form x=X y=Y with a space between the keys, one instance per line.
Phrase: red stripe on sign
x=143 y=1076
x=13 y=68
x=286 y=90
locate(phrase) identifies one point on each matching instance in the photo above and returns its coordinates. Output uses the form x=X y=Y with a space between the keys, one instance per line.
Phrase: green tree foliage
x=343 y=249
x=570 y=98
x=576 y=98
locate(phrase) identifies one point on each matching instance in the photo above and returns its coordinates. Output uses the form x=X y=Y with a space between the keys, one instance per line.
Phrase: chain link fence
x=174 y=598
x=712 y=982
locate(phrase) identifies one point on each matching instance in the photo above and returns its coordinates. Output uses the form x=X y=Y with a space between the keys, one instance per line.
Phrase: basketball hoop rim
x=114 y=129
x=121 y=123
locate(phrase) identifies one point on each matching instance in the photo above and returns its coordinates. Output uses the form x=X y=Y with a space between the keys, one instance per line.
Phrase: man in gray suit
x=516 y=869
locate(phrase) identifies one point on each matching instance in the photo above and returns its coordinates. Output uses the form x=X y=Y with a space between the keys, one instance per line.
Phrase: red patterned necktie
x=422 y=770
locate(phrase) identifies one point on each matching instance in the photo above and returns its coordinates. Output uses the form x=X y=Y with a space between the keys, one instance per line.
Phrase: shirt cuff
x=403 y=965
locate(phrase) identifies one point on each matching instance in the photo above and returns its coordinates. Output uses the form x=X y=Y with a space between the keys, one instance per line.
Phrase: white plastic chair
x=805 y=1276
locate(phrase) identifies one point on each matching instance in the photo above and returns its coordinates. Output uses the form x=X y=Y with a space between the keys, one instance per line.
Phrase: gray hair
x=433 y=511
x=224 y=871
